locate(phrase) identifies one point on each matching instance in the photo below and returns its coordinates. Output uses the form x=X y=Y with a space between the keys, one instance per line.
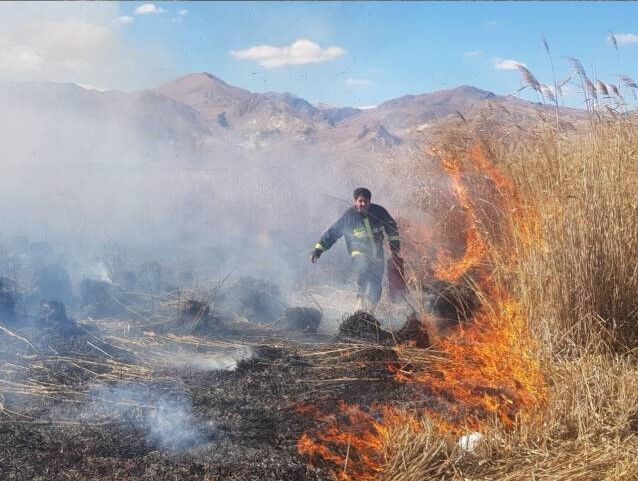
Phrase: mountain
x=199 y=115
x=205 y=93
x=81 y=124
x=197 y=155
x=284 y=116
x=232 y=107
x=411 y=111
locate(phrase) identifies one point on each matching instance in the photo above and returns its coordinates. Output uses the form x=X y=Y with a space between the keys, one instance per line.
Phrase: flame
x=354 y=440
x=448 y=269
x=487 y=370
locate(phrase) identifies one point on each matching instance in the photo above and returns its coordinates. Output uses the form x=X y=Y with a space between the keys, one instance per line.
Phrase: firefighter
x=363 y=226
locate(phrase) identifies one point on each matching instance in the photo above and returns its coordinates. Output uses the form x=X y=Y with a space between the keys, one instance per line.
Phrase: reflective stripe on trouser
x=368 y=272
x=373 y=244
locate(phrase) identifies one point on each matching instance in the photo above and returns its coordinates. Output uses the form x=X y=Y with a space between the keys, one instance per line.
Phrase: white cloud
x=300 y=52
x=52 y=46
x=624 y=39
x=506 y=64
x=14 y=13
x=148 y=9
x=473 y=54
x=361 y=82
x=366 y=107
x=124 y=19
x=71 y=43
x=568 y=90
x=180 y=16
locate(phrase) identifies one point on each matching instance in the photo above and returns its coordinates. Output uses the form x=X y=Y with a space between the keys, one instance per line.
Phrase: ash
x=123 y=399
x=180 y=384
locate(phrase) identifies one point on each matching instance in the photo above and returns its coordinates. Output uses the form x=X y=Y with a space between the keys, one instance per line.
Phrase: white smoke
x=224 y=360
x=167 y=420
x=98 y=271
x=144 y=174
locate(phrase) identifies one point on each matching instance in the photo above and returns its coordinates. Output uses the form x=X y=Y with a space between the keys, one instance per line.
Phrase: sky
x=336 y=53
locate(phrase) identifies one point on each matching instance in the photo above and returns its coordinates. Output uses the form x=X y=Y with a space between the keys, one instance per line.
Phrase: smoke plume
x=166 y=419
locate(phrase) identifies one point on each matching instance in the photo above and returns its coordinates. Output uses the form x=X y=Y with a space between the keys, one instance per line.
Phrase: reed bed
x=577 y=285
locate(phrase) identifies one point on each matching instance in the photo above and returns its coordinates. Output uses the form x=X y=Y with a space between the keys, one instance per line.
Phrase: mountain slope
x=83 y=124
x=198 y=113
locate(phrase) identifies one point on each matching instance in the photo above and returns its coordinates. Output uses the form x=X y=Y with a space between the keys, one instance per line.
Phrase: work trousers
x=368 y=272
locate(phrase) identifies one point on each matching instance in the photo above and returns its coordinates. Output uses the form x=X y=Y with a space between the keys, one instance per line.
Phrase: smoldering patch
x=224 y=360
x=165 y=418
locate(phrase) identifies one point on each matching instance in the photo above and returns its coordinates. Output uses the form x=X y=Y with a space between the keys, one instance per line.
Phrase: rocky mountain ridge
x=199 y=114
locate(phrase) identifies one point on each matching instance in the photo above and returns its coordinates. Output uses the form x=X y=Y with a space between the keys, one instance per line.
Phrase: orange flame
x=488 y=370
x=353 y=442
x=447 y=269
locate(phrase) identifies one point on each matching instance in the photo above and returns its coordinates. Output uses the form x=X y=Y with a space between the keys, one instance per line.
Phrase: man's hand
x=315 y=257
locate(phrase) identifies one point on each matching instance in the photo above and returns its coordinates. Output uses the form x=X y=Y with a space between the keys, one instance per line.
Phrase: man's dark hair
x=362 y=192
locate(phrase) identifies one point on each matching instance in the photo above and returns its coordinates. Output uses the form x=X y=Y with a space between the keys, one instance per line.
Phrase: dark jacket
x=363 y=234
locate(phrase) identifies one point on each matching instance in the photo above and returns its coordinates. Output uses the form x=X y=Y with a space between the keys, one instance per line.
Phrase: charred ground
x=88 y=402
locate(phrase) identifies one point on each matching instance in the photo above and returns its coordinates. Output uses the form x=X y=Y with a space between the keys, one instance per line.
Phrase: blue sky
x=361 y=53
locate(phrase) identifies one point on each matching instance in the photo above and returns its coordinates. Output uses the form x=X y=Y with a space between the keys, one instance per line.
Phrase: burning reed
x=487 y=372
x=544 y=367
x=577 y=290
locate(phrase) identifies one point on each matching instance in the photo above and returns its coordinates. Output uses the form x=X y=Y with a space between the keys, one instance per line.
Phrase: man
x=363 y=225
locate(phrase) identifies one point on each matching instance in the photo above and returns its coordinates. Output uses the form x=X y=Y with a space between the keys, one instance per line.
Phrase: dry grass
x=586 y=433
x=581 y=282
x=578 y=287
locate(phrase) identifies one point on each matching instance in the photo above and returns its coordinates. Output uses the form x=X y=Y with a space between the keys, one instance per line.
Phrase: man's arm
x=328 y=238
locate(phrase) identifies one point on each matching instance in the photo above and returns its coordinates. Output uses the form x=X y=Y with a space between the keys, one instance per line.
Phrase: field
x=519 y=362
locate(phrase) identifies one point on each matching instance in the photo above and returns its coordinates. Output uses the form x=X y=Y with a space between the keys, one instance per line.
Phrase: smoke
x=98 y=271
x=226 y=360
x=96 y=182
x=113 y=180
x=166 y=419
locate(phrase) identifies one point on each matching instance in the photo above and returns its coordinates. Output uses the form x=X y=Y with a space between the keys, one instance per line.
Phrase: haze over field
x=108 y=137
x=197 y=164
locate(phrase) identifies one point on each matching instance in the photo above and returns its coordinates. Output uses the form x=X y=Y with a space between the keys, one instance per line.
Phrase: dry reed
x=578 y=287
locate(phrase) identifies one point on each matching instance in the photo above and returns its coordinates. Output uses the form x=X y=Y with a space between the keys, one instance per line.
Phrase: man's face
x=361 y=204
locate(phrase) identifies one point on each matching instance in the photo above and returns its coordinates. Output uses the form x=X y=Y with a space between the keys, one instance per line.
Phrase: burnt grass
x=246 y=420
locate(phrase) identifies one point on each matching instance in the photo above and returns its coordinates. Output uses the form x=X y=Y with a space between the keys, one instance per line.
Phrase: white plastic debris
x=470 y=441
